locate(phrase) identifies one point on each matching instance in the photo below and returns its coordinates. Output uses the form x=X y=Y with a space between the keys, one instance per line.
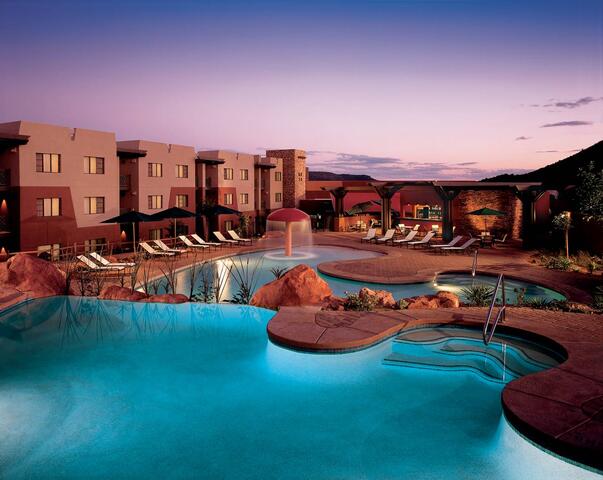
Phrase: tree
x=589 y=194
x=563 y=221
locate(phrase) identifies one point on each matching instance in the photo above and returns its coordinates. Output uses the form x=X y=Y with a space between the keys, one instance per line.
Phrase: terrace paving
x=560 y=409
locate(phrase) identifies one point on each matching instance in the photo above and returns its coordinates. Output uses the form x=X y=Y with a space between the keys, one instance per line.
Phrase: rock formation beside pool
x=31 y=275
x=439 y=300
x=115 y=292
x=380 y=298
x=299 y=286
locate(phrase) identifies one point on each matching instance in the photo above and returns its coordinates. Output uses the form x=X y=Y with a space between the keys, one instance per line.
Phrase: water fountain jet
x=289 y=220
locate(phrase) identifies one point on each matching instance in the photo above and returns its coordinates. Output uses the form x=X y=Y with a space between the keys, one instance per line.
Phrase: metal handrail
x=501 y=315
x=474 y=266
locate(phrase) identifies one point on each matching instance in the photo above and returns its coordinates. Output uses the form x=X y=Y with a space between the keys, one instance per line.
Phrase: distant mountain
x=559 y=174
x=326 y=176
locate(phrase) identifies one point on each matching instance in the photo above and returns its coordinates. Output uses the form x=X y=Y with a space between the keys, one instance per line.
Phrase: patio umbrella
x=362 y=207
x=487 y=212
x=173 y=213
x=132 y=217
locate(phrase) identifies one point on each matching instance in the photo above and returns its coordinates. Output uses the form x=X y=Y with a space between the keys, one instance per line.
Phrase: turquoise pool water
x=100 y=389
x=263 y=262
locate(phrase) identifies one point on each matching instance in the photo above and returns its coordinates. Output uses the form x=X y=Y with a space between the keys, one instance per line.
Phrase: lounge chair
x=501 y=240
x=93 y=266
x=190 y=244
x=162 y=246
x=452 y=243
x=198 y=239
x=463 y=248
x=416 y=227
x=403 y=241
x=370 y=235
x=388 y=237
x=225 y=240
x=235 y=236
x=158 y=253
x=424 y=241
x=106 y=263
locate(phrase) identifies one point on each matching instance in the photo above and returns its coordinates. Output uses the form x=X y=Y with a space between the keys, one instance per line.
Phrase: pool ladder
x=488 y=331
x=474 y=266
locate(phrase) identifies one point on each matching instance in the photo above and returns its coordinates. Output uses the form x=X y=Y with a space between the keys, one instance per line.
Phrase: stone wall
x=503 y=200
x=294 y=175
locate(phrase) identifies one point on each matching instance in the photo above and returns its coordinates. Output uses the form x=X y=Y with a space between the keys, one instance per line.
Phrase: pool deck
x=560 y=409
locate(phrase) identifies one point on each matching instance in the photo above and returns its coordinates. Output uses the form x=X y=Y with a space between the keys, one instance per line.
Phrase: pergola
x=527 y=192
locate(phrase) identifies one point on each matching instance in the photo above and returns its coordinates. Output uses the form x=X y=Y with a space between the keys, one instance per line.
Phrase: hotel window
x=155 y=234
x=228 y=225
x=94 y=165
x=48 y=207
x=182 y=201
x=244 y=174
x=181 y=171
x=48 y=162
x=155 y=202
x=278 y=197
x=228 y=199
x=278 y=176
x=155 y=170
x=94 y=245
x=300 y=176
x=93 y=205
x=228 y=174
x=244 y=198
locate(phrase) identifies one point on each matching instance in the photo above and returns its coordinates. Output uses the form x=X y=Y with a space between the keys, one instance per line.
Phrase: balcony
x=124 y=182
x=5 y=178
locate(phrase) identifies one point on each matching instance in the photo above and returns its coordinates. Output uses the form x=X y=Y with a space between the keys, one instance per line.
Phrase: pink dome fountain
x=289 y=220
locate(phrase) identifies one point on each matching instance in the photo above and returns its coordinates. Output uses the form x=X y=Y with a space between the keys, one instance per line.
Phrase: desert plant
x=244 y=224
x=558 y=263
x=402 y=304
x=520 y=294
x=278 y=272
x=589 y=193
x=598 y=298
x=479 y=295
x=540 y=303
x=355 y=303
x=245 y=274
x=146 y=271
x=193 y=271
x=168 y=269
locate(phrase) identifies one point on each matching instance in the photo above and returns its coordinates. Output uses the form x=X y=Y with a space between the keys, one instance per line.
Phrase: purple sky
x=395 y=89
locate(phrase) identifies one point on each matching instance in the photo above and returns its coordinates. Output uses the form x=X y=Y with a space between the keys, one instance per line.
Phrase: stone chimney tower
x=294 y=175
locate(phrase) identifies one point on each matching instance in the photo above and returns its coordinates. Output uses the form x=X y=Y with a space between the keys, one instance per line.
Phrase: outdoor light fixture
x=3 y=254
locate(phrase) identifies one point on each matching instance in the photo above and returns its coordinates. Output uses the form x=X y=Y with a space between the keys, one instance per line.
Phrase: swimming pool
x=108 y=389
x=312 y=256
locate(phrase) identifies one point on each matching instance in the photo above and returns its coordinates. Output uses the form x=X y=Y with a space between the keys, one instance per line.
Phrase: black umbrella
x=210 y=210
x=362 y=207
x=132 y=217
x=173 y=213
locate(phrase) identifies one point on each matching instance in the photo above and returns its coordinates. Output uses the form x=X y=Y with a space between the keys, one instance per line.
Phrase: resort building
x=153 y=177
x=57 y=185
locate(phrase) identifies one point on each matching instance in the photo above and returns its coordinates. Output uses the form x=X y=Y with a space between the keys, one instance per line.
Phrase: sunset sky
x=391 y=88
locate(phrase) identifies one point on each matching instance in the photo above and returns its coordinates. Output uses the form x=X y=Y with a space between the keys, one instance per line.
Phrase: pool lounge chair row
x=409 y=241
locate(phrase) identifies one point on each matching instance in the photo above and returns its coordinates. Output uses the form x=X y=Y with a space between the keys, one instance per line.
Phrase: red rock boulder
x=167 y=298
x=333 y=303
x=115 y=292
x=299 y=286
x=439 y=300
x=380 y=298
x=30 y=274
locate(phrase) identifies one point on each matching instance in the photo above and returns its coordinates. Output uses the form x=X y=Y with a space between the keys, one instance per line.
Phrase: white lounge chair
x=103 y=261
x=424 y=241
x=452 y=243
x=93 y=266
x=158 y=253
x=403 y=241
x=223 y=239
x=235 y=236
x=416 y=227
x=501 y=240
x=198 y=239
x=190 y=244
x=370 y=235
x=162 y=246
x=463 y=247
x=388 y=237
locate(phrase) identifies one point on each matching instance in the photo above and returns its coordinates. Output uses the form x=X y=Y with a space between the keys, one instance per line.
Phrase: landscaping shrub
x=598 y=298
x=479 y=295
x=402 y=304
x=278 y=272
x=353 y=302
x=557 y=263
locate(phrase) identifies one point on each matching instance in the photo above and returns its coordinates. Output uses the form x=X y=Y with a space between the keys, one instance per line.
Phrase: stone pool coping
x=559 y=409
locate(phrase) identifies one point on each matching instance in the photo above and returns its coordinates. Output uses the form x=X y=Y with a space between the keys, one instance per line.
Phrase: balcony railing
x=124 y=182
x=5 y=178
